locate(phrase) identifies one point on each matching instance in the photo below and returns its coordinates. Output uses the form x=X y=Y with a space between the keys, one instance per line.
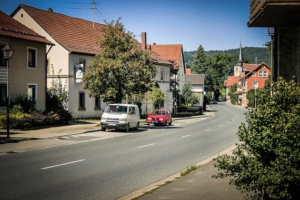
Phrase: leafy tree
x=188 y=96
x=157 y=96
x=266 y=162
x=199 y=62
x=121 y=68
x=233 y=97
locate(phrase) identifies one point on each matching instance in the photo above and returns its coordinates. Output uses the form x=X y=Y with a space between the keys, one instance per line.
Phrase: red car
x=160 y=116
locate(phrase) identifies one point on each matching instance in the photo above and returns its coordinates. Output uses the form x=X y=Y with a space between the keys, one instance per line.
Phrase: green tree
x=266 y=162
x=157 y=96
x=199 y=62
x=57 y=94
x=121 y=68
x=188 y=96
x=233 y=97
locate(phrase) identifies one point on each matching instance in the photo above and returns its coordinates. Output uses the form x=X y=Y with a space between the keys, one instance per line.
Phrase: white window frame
x=260 y=74
x=162 y=74
x=265 y=73
x=36 y=90
x=36 y=56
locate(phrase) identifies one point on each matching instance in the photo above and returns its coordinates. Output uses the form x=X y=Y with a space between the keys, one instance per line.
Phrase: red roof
x=10 y=27
x=172 y=52
x=231 y=80
x=74 y=34
x=249 y=67
x=188 y=71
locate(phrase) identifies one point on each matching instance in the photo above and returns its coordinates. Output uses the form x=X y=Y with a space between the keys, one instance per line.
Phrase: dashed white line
x=147 y=145
x=185 y=136
x=68 y=163
x=207 y=129
x=222 y=125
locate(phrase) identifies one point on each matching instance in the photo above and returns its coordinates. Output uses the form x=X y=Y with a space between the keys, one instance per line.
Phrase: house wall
x=61 y=63
x=164 y=85
x=261 y=80
x=287 y=59
x=181 y=73
x=199 y=91
x=20 y=75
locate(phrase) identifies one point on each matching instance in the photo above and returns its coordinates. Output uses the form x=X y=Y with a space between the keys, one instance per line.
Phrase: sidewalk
x=198 y=184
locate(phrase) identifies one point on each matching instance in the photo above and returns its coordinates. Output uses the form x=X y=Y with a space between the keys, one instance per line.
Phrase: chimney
x=50 y=10
x=144 y=40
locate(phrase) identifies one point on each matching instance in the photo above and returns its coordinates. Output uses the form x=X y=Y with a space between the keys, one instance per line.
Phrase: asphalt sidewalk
x=198 y=184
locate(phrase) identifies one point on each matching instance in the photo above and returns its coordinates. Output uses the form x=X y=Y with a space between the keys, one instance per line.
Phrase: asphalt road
x=112 y=168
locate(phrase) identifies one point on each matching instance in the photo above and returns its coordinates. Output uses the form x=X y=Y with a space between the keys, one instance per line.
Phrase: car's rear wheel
x=103 y=129
x=170 y=123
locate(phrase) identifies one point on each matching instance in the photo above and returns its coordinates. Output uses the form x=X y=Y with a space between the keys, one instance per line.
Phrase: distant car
x=160 y=117
x=215 y=102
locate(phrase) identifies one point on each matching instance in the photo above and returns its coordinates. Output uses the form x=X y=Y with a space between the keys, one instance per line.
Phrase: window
x=2 y=60
x=81 y=101
x=31 y=91
x=3 y=89
x=31 y=57
x=260 y=74
x=97 y=103
x=162 y=74
x=265 y=74
x=253 y=73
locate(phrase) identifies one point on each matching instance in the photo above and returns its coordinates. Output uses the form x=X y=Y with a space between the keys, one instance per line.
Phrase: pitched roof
x=194 y=79
x=257 y=68
x=231 y=80
x=74 y=34
x=157 y=59
x=171 y=52
x=249 y=67
x=9 y=27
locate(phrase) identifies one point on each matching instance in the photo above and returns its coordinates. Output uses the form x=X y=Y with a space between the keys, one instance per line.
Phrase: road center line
x=146 y=145
x=68 y=163
x=207 y=130
x=185 y=136
x=222 y=125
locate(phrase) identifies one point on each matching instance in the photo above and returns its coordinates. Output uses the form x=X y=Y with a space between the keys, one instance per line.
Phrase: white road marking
x=68 y=163
x=222 y=125
x=147 y=145
x=185 y=136
x=207 y=130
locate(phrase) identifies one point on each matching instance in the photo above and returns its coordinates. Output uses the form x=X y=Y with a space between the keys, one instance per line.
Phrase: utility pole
x=94 y=7
x=255 y=84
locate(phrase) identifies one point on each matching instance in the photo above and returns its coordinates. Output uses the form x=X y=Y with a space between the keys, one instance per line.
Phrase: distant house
x=197 y=82
x=163 y=67
x=282 y=18
x=173 y=53
x=27 y=67
x=253 y=76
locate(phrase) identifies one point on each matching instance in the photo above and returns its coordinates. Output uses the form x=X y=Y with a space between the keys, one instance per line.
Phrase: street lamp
x=7 y=54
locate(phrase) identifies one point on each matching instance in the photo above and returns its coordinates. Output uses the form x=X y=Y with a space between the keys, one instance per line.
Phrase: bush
x=267 y=159
x=24 y=103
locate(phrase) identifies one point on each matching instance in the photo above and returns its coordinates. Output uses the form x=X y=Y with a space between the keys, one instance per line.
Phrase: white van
x=120 y=116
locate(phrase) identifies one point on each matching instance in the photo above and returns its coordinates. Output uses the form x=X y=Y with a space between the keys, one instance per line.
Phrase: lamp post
x=7 y=54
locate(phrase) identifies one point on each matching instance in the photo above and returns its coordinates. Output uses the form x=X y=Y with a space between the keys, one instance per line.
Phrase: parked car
x=159 y=117
x=120 y=116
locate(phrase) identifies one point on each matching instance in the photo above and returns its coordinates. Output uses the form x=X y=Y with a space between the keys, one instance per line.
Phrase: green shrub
x=266 y=162
x=24 y=103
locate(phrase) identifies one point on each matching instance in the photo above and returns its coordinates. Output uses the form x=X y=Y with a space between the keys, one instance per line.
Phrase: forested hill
x=249 y=54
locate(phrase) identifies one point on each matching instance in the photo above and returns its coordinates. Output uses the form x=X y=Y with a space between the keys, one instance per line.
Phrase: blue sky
x=214 y=24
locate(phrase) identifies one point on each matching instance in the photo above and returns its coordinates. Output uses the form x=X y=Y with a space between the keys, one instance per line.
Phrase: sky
x=214 y=24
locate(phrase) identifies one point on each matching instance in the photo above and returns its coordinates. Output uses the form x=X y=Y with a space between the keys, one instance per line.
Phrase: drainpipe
x=46 y=67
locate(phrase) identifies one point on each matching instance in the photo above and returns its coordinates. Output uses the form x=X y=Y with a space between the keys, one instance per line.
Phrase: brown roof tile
x=74 y=34
x=10 y=27
x=171 y=52
x=231 y=80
